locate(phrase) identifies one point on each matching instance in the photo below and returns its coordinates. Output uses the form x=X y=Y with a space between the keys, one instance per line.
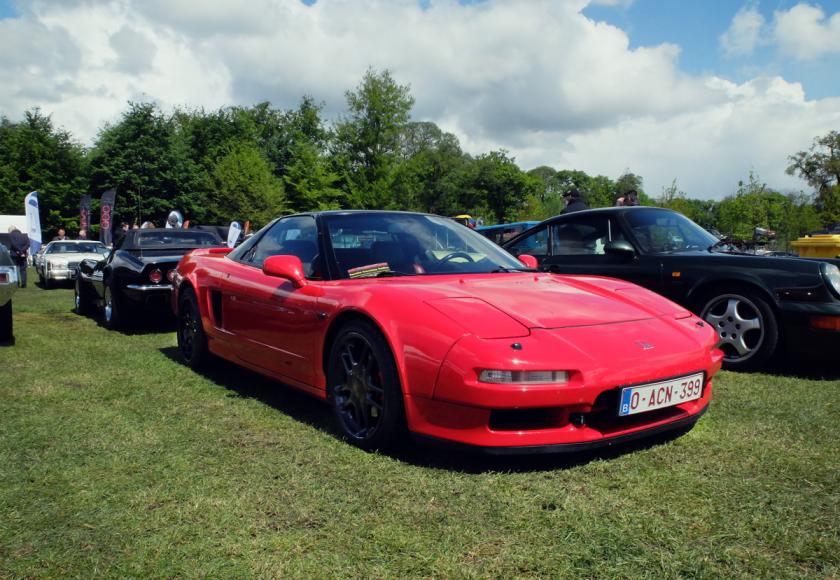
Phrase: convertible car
x=136 y=276
x=759 y=305
x=8 y=285
x=60 y=259
x=407 y=321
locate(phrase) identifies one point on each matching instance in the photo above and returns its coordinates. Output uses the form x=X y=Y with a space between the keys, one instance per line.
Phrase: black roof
x=176 y=237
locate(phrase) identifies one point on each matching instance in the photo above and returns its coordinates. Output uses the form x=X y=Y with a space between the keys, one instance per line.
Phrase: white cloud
x=805 y=32
x=744 y=33
x=535 y=77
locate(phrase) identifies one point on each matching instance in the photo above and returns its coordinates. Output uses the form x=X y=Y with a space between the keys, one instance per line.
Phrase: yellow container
x=818 y=246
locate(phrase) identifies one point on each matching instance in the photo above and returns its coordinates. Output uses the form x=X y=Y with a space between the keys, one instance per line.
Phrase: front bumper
x=579 y=414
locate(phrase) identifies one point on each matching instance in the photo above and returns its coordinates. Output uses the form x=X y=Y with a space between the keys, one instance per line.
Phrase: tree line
x=255 y=163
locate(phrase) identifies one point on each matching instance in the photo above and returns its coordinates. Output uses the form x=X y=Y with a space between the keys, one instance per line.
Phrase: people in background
x=62 y=235
x=147 y=225
x=631 y=197
x=83 y=234
x=574 y=201
x=19 y=246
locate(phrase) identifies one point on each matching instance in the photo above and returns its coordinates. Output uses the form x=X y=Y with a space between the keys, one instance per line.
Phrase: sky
x=698 y=92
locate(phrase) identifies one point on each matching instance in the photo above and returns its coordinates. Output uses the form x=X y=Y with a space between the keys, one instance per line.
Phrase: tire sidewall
x=200 y=353
x=770 y=329
x=391 y=428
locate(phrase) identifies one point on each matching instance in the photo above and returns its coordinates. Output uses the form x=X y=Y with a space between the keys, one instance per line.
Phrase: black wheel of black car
x=7 y=335
x=746 y=327
x=192 y=340
x=81 y=304
x=112 y=308
x=364 y=388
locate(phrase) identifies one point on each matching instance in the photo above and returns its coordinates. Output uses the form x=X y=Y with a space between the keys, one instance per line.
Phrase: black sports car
x=137 y=275
x=759 y=305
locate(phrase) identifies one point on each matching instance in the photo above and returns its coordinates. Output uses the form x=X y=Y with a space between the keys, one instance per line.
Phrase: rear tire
x=113 y=316
x=192 y=340
x=363 y=387
x=7 y=336
x=81 y=303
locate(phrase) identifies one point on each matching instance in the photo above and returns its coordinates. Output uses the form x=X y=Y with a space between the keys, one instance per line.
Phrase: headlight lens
x=501 y=377
x=831 y=274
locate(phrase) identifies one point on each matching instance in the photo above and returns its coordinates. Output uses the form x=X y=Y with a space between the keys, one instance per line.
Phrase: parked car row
x=410 y=323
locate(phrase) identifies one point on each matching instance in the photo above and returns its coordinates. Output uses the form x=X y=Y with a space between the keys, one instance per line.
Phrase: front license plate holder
x=661 y=394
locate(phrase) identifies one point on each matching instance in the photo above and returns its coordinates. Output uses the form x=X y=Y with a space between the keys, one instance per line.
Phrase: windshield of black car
x=376 y=244
x=76 y=248
x=662 y=232
x=176 y=238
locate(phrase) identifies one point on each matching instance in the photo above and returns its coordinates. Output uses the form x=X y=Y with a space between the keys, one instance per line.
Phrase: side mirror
x=529 y=261
x=284 y=266
x=620 y=248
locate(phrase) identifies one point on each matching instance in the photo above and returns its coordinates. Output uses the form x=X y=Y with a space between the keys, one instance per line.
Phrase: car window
x=588 y=236
x=663 y=231
x=535 y=244
x=294 y=236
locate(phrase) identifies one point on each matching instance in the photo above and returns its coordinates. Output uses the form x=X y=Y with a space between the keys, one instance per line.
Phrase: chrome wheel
x=77 y=300
x=109 y=306
x=746 y=328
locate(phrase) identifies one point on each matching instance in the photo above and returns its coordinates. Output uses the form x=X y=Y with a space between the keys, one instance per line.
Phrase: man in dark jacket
x=19 y=243
x=574 y=201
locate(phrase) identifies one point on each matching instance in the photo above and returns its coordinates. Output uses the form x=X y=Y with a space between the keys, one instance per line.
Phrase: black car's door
x=577 y=244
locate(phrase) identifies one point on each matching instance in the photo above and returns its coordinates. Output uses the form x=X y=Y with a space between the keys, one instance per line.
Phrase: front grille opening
x=526 y=419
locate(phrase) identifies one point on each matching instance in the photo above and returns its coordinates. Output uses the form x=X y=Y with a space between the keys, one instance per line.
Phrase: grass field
x=116 y=460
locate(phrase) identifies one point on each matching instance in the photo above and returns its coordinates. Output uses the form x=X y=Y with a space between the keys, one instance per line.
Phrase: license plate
x=659 y=395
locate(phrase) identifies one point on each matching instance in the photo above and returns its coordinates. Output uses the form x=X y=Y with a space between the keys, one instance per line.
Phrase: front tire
x=746 y=326
x=363 y=388
x=192 y=340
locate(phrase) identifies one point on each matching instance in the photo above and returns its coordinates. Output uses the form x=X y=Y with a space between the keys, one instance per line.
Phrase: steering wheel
x=454 y=255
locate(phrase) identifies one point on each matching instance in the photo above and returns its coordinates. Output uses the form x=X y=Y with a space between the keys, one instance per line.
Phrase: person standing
x=62 y=235
x=83 y=234
x=574 y=201
x=19 y=243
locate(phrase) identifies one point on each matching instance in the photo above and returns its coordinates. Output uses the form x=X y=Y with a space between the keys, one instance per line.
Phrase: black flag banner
x=107 y=206
x=84 y=214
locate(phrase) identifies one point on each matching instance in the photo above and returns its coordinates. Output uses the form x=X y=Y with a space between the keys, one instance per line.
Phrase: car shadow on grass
x=241 y=382
x=808 y=368
x=150 y=324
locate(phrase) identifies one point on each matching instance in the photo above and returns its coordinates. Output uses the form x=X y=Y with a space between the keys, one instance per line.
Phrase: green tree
x=242 y=186
x=498 y=185
x=368 y=140
x=152 y=171
x=820 y=167
x=34 y=155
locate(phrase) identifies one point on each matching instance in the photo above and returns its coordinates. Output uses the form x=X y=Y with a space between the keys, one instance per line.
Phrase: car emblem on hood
x=644 y=345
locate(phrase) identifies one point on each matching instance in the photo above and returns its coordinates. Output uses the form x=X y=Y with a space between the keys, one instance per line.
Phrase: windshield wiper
x=503 y=269
x=717 y=244
x=390 y=273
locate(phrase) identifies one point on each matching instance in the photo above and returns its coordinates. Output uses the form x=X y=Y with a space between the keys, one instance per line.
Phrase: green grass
x=116 y=460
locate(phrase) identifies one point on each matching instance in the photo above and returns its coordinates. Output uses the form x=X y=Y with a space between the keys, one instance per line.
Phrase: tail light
x=155 y=276
x=4 y=278
x=170 y=275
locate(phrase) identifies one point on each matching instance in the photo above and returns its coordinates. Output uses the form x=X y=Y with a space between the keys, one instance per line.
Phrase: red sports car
x=406 y=321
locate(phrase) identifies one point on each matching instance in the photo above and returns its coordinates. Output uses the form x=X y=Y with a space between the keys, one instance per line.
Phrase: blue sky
x=701 y=92
x=696 y=25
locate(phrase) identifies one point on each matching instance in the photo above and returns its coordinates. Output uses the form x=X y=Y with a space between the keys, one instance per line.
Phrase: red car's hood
x=546 y=300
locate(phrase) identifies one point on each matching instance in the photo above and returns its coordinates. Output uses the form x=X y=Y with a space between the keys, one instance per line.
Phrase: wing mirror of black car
x=88 y=264
x=284 y=266
x=529 y=261
x=620 y=248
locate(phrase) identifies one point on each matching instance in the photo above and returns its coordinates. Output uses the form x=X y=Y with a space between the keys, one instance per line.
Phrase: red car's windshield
x=375 y=244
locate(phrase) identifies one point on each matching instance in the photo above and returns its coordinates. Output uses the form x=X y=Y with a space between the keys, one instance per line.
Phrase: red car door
x=275 y=326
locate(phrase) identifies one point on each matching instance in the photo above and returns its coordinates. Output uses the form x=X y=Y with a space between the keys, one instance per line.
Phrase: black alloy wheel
x=364 y=388
x=746 y=328
x=192 y=340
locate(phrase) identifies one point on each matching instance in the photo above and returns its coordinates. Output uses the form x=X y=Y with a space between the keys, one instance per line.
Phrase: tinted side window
x=584 y=236
x=536 y=244
x=295 y=236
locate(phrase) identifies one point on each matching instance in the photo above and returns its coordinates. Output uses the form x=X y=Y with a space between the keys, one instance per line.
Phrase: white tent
x=18 y=221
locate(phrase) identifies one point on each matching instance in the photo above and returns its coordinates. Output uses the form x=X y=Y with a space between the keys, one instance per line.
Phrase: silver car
x=60 y=259
x=8 y=285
